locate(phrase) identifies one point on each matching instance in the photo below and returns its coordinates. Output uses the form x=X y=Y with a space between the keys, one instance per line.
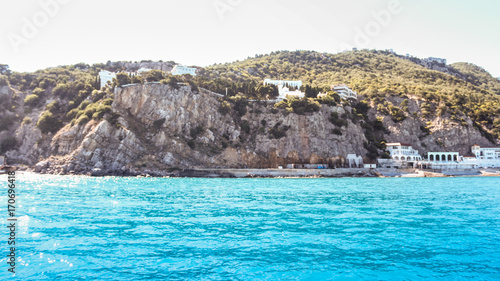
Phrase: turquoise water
x=83 y=228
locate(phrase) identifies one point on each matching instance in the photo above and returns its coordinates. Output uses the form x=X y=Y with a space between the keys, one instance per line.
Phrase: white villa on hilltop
x=284 y=90
x=179 y=70
x=106 y=76
x=142 y=70
x=344 y=92
x=284 y=83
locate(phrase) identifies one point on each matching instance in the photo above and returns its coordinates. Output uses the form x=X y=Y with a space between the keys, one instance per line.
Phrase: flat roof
x=397 y=143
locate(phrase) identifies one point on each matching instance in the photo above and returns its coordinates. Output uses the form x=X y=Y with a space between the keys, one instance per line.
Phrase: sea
x=126 y=228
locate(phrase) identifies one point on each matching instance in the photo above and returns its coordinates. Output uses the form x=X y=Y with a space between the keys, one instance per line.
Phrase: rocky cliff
x=159 y=129
x=155 y=132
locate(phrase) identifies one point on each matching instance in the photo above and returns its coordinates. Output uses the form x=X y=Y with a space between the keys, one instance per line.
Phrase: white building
x=354 y=161
x=344 y=92
x=285 y=92
x=486 y=153
x=485 y=157
x=143 y=69
x=447 y=161
x=284 y=83
x=106 y=76
x=284 y=88
x=403 y=152
x=179 y=70
x=435 y=157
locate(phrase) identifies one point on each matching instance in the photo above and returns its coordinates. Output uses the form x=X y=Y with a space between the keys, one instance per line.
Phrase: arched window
x=449 y=157
x=443 y=158
x=396 y=158
x=403 y=158
x=455 y=158
x=431 y=157
x=437 y=157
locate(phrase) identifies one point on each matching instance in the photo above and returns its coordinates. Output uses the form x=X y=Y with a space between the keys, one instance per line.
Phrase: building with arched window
x=443 y=157
x=403 y=152
x=445 y=161
x=402 y=155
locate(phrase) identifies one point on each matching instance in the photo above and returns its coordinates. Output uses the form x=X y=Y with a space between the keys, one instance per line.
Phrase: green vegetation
x=158 y=123
x=48 y=123
x=153 y=75
x=121 y=79
x=240 y=104
x=27 y=120
x=278 y=131
x=225 y=107
x=7 y=144
x=376 y=75
x=4 y=80
x=337 y=131
x=194 y=132
x=299 y=105
x=391 y=87
x=335 y=120
x=330 y=99
x=32 y=100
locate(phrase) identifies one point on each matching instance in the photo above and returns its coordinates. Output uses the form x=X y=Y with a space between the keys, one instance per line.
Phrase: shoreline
x=285 y=173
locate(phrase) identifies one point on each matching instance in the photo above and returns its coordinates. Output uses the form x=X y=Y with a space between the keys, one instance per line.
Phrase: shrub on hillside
x=225 y=107
x=3 y=80
x=48 y=123
x=299 y=106
x=26 y=120
x=61 y=90
x=153 y=75
x=121 y=79
x=7 y=144
x=82 y=120
x=335 y=120
x=171 y=81
x=31 y=100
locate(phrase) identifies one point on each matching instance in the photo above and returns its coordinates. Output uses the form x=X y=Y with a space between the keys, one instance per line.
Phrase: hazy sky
x=43 y=33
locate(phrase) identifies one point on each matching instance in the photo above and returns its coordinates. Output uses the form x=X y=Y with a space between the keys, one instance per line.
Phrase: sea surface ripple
x=113 y=228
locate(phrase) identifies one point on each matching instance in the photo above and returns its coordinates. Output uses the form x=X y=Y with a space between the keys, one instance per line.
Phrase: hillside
x=62 y=120
x=377 y=75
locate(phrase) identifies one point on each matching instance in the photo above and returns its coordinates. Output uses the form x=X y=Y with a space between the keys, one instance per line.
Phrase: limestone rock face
x=445 y=134
x=161 y=128
x=307 y=136
x=28 y=136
